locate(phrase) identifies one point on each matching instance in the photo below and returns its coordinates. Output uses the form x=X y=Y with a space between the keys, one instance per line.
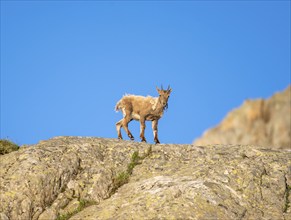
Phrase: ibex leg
x=118 y=128
x=142 y=128
x=125 y=122
x=155 y=131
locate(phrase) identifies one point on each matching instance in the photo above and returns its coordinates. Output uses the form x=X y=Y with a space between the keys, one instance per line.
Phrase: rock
x=3 y=217
x=35 y=181
x=49 y=213
x=261 y=122
x=213 y=182
x=71 y=207
x=167 y=181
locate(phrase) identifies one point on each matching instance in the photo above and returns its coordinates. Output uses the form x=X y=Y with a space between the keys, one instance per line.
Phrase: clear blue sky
x=64 y=64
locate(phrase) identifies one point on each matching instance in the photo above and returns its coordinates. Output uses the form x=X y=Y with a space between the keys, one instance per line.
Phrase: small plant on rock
x=7 y=146
x=83 y=203
x=123 y=177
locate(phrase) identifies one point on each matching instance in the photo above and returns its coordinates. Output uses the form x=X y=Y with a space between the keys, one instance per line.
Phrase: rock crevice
x=55 y=177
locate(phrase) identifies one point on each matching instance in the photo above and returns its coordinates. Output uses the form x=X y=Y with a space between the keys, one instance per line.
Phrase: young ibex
x=143 y=109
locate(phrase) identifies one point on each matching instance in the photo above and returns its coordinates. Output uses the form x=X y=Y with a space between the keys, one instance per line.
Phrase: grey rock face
x=38 y=182
x=172 y=182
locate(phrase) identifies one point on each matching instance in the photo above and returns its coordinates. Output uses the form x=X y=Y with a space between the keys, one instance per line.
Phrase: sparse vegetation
x=123 y=177
x=7 y=146
x=82 y=205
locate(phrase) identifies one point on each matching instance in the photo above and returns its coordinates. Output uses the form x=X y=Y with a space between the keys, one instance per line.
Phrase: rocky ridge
x=261 y=122
x=51 y=179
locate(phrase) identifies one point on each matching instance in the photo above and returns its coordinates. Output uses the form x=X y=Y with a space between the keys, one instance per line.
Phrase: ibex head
x=164 y=96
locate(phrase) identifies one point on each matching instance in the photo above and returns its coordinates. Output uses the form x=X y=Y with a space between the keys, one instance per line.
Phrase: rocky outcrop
x=163 y=181
x=261 y=122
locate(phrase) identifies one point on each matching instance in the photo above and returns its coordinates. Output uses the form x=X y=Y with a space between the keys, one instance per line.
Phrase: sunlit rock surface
x=52 y=178
x=261 y=122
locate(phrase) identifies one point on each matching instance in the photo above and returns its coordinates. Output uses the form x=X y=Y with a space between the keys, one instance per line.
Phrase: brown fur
x=143 y=109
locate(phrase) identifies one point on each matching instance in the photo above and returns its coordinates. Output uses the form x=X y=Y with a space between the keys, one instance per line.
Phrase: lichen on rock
x=52 y=178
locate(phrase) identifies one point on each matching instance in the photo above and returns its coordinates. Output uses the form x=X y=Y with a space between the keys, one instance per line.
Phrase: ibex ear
x=158 y=89
x=170 y=90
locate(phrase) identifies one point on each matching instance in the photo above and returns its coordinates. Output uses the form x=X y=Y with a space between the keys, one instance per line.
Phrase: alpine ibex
x=143 y=109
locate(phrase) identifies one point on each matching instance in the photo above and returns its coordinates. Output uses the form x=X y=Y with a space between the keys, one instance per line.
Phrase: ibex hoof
x=119 y=138
x=143 y=140
x=131 y=138
x=157 y=142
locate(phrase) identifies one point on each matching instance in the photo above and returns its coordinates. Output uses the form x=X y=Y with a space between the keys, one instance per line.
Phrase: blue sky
x=64 y=64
